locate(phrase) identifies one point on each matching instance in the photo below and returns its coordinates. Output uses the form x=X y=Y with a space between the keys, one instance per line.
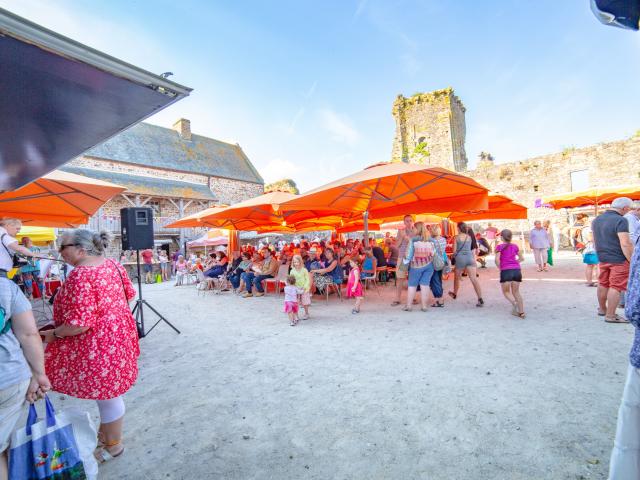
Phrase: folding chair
x=204 y=283
x=279 y=280
x=370 y=279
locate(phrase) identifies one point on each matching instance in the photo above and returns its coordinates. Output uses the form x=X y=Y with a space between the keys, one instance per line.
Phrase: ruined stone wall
x=430 y=130
x=229 y=191
x=439 y=118
x=529 y=181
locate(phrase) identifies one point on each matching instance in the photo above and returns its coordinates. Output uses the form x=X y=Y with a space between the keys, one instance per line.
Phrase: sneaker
x=247 y=295
x=259 y=294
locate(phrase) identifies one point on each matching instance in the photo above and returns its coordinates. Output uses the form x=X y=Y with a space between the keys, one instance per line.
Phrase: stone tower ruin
x=430 y=130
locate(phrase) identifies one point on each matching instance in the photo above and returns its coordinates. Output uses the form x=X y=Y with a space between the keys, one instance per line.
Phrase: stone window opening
x=579 y=180
x=535 y=188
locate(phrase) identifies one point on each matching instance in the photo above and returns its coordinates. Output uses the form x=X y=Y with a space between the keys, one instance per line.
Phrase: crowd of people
x=92 y=347
x=420 y=256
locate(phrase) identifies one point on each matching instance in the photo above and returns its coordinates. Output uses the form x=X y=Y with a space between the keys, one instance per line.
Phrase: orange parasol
x=59 y=199
x=501 y=207
x=592 y=197
x=261 y=213
x=195 y=220
x=392 y=189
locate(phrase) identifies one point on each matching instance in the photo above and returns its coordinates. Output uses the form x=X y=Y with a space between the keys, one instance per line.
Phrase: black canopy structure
x=59 y=98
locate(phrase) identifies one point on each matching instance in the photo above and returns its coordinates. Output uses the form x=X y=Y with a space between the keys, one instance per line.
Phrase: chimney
x=183 y=127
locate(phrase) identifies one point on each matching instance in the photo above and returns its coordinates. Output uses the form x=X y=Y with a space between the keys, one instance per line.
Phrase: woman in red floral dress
x=92 y=353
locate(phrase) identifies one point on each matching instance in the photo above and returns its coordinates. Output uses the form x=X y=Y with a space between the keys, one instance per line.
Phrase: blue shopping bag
x=54 y=448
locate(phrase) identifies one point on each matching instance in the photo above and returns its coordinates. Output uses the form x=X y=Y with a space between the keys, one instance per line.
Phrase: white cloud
x=339 y=126
x=277 y=169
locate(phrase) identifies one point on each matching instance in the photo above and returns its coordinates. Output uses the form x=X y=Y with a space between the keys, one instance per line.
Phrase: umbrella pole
x=365 y=218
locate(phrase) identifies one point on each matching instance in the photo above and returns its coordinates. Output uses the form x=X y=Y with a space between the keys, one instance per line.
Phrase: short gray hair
x=10 y=221
x=622 y=202
x=91 y=242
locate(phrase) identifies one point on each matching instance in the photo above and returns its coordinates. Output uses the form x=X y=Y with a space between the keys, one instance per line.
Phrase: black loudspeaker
x=136 y=226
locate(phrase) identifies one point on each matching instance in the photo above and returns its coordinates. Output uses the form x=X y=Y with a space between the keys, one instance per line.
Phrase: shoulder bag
x=438 y=259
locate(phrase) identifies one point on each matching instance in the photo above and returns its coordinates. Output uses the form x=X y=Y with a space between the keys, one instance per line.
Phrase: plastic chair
x=336 y=288
x=204 y=283
x=370 y=279
x=279 y=279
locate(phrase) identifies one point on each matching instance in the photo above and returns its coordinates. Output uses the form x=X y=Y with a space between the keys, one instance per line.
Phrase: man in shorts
x=614 y=249
x=147 y=265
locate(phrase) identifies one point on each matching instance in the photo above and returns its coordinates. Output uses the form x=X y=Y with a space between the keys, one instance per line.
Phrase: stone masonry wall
x=130 y=169
x=528 y=181
x=229 y=191
x=430 y=130
x=439 y=118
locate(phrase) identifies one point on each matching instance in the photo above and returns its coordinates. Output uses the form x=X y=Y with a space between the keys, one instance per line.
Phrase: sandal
x=355 y=310
x=480 y=302
x=406 y=309
x=453 y=295
x=616 y=319
x=423 y=309
x=103 y=455
x=438 y=304
x=518 y=314
x=395 y=303
x=601 y=313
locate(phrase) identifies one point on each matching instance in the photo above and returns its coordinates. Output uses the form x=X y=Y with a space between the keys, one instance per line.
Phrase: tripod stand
x=138 y=309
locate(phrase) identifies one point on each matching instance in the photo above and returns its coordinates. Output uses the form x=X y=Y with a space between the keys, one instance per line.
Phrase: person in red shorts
x=614 y=249
x=147 y=259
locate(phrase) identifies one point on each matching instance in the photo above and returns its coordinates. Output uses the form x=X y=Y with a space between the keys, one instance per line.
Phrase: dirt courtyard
x=454 y=393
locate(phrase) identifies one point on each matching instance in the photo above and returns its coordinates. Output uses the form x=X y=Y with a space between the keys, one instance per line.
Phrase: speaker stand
x=138 y=309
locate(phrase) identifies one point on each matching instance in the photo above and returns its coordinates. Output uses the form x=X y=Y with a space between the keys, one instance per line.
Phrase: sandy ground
x=454 y=393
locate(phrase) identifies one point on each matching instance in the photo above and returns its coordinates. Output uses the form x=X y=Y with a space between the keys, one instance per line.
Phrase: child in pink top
x=291 y=293
x=354 y=287
x=508 y=259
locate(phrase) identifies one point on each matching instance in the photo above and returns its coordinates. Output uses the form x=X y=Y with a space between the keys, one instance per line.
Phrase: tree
x=284 y=185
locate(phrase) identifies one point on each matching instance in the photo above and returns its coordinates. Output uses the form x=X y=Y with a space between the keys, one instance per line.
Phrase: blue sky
x=306 y=87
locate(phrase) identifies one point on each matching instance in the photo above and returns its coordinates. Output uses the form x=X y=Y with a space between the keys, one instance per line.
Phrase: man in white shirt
x=9 y=245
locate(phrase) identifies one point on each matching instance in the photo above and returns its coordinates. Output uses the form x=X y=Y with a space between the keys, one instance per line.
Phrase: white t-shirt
x=6 y=262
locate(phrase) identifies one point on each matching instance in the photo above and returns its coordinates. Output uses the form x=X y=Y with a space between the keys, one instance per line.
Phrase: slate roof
x=157 y=187
x=152 y=146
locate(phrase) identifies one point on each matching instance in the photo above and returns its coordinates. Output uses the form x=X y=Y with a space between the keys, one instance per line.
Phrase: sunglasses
x=63 y=246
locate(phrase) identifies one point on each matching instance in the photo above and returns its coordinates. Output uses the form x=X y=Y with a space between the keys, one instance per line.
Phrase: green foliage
x=566 y=151
x=284 y=185
x=421 y=149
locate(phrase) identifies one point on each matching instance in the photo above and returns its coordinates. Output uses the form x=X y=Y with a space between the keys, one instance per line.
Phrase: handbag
x=438 y=260
x=59 y=446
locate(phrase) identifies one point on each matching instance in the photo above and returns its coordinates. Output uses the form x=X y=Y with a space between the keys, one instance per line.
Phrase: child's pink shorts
x=290 y=307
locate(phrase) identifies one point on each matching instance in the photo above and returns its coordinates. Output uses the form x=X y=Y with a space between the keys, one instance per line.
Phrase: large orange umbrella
x=501 y=207
x=195 y=220
x=59 y=199
x=391 y=189
x=260 y=211
x=256 y=214
x=592 y=197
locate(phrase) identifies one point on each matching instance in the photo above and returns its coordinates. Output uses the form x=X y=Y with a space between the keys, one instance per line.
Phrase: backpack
x=5 y=323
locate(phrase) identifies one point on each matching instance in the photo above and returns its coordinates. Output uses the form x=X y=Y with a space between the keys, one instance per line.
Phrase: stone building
x=430 y=129
x=172 y=171
x=437 y=120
